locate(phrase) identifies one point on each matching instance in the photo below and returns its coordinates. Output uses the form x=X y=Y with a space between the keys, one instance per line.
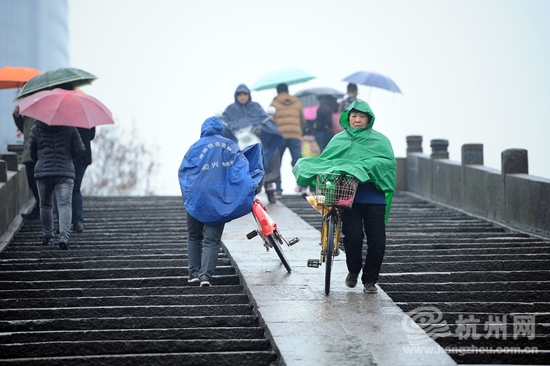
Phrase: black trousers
x=365 y=219
x=29 y=168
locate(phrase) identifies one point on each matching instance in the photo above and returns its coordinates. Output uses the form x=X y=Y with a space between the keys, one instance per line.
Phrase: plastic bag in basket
x=314 y=202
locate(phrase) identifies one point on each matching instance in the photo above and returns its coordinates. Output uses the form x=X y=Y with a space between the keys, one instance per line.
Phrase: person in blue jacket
x=218 y=185
x=245 y=113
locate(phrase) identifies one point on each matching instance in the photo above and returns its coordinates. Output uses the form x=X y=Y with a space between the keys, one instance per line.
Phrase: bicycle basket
x=335 y=189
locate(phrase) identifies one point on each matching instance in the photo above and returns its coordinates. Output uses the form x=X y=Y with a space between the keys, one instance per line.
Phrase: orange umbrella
x=16 y=77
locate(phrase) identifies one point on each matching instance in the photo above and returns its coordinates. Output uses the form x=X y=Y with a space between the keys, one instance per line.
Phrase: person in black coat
x=54 y=148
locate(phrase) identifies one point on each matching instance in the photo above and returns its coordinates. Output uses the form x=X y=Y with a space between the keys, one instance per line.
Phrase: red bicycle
x=269 y=232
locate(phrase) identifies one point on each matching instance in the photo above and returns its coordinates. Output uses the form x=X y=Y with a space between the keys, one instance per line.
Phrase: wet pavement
x=348 y=327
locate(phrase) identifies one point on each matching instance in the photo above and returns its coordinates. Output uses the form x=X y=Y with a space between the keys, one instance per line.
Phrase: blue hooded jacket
x=237 y=111
x=217 y=181
x=239 y=116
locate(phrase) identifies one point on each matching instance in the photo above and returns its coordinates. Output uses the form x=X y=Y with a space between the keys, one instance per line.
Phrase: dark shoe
x=33 y=215
x=78 y=226
x=64 y=245
x=370 y=288
x=271 y=197
x=47 y=241
x=351 y=280
x=193 y=277
x=205 y=281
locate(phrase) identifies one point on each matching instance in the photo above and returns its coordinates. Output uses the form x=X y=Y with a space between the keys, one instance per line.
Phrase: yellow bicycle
x=333 y=194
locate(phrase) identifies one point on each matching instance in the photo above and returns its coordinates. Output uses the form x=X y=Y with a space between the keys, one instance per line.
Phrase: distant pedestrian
x=53 y=148
x=290 y=120
x=349 y=98
x=216 y=186
x=322 y=127
x=245 y=113
x=80 y=166
x=24 y=125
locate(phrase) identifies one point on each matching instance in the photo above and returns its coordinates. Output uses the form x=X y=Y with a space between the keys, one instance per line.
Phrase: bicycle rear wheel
x=279 y=250
x=329 y=254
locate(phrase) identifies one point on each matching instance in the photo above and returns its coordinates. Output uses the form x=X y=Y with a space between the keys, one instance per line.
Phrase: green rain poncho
x=362 y=152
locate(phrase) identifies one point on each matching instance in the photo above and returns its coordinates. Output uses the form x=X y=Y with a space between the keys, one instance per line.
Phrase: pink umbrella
x=61 y=107
x=311 y=112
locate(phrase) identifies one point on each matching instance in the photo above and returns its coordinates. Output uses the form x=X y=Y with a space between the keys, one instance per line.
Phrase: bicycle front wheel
x=329 y=254
x=279 y=250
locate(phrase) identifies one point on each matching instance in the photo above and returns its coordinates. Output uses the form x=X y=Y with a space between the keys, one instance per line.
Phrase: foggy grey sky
x=470 y=71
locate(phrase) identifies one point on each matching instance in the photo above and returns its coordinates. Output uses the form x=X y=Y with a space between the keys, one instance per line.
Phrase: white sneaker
x=205 y=281
x=193 y=278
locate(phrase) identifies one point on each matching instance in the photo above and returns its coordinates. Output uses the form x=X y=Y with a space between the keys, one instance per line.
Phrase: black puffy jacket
x=54 y=148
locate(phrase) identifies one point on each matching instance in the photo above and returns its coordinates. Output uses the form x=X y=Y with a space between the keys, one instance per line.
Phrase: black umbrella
x=309 y=97
x=53 y=78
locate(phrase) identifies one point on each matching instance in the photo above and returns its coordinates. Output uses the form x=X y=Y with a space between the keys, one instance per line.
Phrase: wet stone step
x=460 y=242
x=439 y=257
x=115 y=283
x=244 y=358
x=106 y=301
x=467 y=286
x=469 y=296
x=402 y=251
x=85 y=253
x=107 y=244
x=476 y=307
x=114 y=347
x=103 y=292
x=134 y=334
x=455 y=266
x=126 y=310
x=128 y=322
x=74 y=274
x=463 y=276
x=104 y=264
x=121 y=256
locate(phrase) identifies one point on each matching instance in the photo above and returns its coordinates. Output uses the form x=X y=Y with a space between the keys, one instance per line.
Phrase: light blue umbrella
x=373 y=79
x=289 y=75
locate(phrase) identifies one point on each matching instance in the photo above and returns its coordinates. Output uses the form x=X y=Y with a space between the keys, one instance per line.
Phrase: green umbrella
x=53 y=78
x=289 y=75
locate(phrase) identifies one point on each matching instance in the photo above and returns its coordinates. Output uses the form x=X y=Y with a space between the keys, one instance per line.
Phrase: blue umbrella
x=373 y=79
x=289 y=75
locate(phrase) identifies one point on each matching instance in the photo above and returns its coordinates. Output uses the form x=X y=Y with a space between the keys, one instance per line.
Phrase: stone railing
x=14 y=190
x=510 y=196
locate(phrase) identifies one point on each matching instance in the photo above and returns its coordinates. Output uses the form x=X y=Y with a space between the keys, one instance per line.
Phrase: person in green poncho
x=367 y=155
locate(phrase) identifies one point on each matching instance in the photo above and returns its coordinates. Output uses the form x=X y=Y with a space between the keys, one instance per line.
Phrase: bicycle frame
x=333 y=194
x=335 y=212
x=269 y=232
x=266 y=225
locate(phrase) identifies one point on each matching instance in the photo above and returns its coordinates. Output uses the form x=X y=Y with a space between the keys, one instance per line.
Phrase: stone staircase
x=479 y=289
x=120 y=296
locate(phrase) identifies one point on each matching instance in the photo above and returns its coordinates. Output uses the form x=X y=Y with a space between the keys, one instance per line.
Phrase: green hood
x=361 y=106
x=362 y=152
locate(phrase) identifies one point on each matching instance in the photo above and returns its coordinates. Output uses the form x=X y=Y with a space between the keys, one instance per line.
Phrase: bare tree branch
x=122 y=165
